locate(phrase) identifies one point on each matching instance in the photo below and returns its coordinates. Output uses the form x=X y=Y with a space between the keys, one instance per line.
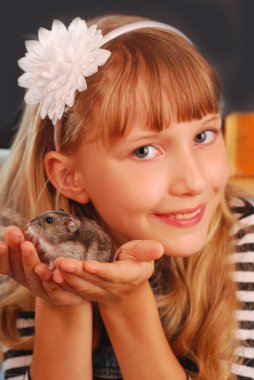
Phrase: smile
x=186 y=218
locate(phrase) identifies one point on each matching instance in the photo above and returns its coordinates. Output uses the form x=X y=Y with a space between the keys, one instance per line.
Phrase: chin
x=185 y=247
x=182 y=253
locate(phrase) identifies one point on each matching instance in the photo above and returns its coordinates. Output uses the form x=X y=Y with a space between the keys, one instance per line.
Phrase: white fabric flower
x=57 y=64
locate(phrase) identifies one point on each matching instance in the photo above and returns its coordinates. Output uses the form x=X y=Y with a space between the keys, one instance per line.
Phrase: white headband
x=140 y=25
x=57 y=64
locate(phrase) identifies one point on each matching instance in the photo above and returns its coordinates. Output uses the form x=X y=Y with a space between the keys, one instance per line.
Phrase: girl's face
x=161 y=186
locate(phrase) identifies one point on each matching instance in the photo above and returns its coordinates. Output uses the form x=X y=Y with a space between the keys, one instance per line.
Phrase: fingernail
x=15 y=237
x=38 y=270
x=90 y=267
x=68 y=268
x=57 y=277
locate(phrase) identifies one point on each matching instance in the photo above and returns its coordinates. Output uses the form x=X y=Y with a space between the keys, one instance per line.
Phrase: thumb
x=141 y=250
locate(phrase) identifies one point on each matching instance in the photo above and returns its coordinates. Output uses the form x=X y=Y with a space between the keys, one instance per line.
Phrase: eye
x=205 y=137
x=145 y=152
x=49 y=220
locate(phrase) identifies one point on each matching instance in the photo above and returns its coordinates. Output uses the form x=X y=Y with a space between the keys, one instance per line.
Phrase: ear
x=72 y=225
x=63 y=176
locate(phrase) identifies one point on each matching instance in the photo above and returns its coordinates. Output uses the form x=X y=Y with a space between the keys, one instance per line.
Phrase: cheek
x=126 y=190
x=144 y=186
x=216 y=167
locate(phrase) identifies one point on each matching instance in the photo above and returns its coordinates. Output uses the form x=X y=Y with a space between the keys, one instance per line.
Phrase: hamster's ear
x=72 y=225
x=63 y=176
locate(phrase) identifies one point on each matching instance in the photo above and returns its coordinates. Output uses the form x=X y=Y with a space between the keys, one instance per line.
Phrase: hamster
x=57 y=233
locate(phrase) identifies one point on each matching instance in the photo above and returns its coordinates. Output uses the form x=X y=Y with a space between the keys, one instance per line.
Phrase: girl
x=123 y=126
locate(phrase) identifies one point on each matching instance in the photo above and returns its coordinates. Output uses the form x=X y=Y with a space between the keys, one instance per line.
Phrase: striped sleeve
x=244 y=276
x=16 y=362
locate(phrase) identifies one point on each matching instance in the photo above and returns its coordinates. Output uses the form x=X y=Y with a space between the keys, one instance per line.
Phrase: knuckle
x=51 y=289
x=115 y=280
x=59 y=302
x=82 y=289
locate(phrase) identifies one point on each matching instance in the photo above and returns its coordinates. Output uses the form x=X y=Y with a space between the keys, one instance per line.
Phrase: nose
x=187 y=176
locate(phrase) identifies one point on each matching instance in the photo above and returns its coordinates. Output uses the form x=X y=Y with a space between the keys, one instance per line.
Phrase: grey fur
x=57 y=233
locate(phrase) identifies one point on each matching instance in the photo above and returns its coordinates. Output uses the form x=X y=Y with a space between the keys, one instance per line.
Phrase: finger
x=74 y=267
x=60 y=296
x=58 y=261
x=29 y=254
x=69 y=265
x=43 y=272
x=14 y=237
x=55 y=293
x=72 y=276
x=97 y=273
x=30 y=262
x=142 y=250
x=122 y=271
x=58 y=278
x=89 y=291
x=4 y=259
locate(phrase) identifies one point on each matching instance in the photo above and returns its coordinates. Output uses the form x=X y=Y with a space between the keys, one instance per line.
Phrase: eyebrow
x=142 y=137
x=210 y=119
x=158 y=134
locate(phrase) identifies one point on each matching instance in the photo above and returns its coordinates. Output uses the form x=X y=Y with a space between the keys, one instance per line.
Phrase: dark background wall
x=222 y=29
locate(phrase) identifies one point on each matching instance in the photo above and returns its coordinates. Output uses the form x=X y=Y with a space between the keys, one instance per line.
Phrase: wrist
x=141 y=295
x=66 y=311
x=67 y=331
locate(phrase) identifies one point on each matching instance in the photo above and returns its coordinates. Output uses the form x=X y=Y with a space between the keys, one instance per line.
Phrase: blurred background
x=222 y=29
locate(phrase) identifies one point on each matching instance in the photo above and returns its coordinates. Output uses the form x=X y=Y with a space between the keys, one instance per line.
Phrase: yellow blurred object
x=239 y=139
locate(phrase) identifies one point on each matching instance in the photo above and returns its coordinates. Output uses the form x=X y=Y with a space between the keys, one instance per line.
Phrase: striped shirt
x=244 y=276
x=16 y=362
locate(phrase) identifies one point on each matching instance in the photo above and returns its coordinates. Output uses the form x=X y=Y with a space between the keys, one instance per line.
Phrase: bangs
x=159 y=70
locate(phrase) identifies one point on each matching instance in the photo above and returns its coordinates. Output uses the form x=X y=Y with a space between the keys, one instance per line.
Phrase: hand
x=20 y=261
x=110 y=282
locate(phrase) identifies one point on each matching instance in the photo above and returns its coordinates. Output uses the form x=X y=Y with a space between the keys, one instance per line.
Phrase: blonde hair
x=196 y=296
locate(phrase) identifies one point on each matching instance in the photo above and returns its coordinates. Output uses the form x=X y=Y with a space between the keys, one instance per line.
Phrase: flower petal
x=56 y=66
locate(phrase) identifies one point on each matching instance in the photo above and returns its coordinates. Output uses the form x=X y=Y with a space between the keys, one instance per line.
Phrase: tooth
x=186 y=216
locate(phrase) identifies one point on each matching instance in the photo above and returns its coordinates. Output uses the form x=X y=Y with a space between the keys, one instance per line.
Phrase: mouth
x=31 y=235
x=183 y=218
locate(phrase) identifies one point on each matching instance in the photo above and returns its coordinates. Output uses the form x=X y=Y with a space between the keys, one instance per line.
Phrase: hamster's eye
x=49 y=220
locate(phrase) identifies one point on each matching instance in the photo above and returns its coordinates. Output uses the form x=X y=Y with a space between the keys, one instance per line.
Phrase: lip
x=170 y=219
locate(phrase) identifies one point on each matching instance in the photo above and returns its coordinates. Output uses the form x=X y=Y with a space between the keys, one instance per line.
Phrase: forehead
x=164 y=112
x=138 y=126
x=163 y=91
